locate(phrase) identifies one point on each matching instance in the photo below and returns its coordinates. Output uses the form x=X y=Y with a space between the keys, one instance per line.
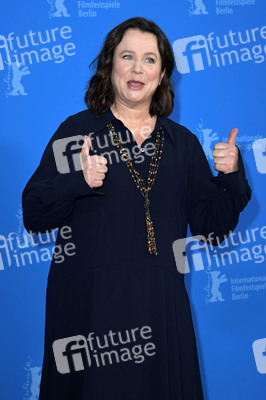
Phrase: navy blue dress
x=118 y=320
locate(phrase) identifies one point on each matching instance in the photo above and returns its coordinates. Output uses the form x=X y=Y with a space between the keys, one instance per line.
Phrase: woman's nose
x=137 y=68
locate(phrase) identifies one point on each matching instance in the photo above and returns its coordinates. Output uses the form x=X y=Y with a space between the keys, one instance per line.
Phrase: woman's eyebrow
x=133 y=52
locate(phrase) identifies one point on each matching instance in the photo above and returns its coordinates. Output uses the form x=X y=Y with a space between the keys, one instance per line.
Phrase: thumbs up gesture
x=94 y=167
x=226 y=154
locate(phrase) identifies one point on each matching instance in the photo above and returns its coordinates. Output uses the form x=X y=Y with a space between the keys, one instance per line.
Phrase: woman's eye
x=149 y=60
x=127 y=57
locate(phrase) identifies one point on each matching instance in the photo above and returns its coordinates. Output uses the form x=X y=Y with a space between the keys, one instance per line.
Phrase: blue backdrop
x=46 y=47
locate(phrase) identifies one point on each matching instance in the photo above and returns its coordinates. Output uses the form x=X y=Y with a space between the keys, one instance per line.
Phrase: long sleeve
x=215 y=202
x=49 y=196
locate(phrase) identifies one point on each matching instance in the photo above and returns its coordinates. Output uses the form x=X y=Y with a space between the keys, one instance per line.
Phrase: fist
x=226 y=154
x=94 y=167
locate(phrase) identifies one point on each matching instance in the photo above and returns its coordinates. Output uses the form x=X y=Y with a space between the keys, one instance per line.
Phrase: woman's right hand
x=94 y=167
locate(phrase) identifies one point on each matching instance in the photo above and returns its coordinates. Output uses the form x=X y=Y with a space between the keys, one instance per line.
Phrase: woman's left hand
x=226 y=154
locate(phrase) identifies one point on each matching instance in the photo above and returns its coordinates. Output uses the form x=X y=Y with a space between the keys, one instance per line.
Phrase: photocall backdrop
x=46 y=47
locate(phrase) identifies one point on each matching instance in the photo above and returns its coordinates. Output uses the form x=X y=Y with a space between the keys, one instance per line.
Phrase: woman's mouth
x=135 y=85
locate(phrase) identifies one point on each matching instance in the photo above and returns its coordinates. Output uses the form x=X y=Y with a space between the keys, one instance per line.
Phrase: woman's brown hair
x=100 y=94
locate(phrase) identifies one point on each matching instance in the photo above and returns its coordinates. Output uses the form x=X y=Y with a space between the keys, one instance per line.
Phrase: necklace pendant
x=146 y=202
x=152 y=249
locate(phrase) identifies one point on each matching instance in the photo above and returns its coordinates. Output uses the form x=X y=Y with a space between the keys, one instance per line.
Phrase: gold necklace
x=154 y=165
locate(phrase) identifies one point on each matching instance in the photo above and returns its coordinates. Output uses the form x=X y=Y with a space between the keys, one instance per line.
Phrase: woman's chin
x=136 y=98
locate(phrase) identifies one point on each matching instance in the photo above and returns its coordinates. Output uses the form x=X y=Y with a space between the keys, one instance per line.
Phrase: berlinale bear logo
x=57 y=9
x=197 y=7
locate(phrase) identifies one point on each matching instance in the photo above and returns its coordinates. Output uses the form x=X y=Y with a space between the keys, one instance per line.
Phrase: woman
x=118 y=319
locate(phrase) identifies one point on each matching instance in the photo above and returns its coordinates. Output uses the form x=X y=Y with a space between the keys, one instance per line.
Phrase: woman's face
x=136 y=68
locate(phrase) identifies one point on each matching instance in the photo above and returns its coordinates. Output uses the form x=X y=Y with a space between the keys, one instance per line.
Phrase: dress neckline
x=156 y=128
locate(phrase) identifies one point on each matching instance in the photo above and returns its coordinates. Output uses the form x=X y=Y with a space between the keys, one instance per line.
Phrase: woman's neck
x=131 y=115
x=137 y=120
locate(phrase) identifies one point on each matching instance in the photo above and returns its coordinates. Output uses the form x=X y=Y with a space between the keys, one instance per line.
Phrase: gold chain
x=154 y=165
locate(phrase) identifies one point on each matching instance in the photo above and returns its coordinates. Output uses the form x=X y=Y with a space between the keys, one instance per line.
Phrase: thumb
x=232 y=136
x=87 y=145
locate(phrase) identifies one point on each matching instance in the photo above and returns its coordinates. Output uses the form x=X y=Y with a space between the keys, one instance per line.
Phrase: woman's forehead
x=138 y=41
